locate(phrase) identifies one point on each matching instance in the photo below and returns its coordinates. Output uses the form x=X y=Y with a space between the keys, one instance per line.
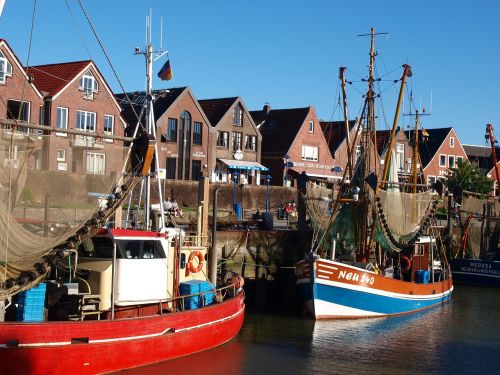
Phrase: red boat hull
x=94 y=347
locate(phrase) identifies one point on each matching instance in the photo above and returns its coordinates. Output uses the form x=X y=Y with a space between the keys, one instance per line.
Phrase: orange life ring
x=405 y=263
x=190 y=266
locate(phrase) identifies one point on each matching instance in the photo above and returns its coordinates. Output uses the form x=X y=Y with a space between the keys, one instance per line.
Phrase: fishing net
x=318 y=201
x=49 y=187
x=476 y=229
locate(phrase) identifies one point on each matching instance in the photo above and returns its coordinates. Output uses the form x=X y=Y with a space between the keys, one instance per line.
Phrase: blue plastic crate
x=31 y=304
x=196 y=287
x=423 y=276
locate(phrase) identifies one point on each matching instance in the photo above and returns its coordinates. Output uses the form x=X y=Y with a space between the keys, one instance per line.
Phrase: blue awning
x=241 y=164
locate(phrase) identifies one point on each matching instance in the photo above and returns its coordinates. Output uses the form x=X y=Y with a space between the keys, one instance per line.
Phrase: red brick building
x=439 y=150
x=76 y=96
x=292 y=143
x=183 y=131
x=20 y=99
x=402 y=148
x=237 y=145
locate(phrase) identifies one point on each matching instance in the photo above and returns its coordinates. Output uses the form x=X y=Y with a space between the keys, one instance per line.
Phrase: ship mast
x=489 y=134
x=150 y=56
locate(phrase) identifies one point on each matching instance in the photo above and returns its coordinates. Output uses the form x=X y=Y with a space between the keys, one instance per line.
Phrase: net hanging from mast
x=47 y=194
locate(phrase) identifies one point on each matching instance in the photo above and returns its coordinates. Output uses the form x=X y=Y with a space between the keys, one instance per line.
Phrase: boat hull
x=476 y=271
x=335 y=290
x=95 y=347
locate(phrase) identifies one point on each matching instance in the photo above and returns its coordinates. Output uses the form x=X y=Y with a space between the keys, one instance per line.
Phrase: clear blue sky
x=287 y=52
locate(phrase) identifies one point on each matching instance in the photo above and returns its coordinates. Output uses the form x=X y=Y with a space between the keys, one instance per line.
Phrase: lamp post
x=268 y=178
x=235 y=180
x=286 y=159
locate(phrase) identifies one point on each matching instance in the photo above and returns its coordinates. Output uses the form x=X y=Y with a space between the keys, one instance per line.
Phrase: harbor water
x=460 y=337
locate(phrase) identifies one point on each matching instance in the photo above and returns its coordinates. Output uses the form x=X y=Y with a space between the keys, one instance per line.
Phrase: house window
x=18 y=110
x=452 y=142
x=5 y=67
x=237 y=116
x=88 y=83
x=96 y=163
x=171 y=163
x=451 y=161
x=61 y=155
x=459 y=160
x=237 y=136
x=250 y=142
x=197 y=133
x=62 y=118
x=311 y=126
x=223 y=139
x=85 y=121
x=442 y=160
x=400 y=155
x=196 y=170
x=109 y=122
x=309 y=153
x=431 y=180
x=172 y=130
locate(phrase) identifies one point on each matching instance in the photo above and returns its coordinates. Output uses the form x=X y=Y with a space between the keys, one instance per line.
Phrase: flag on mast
x=165 y=72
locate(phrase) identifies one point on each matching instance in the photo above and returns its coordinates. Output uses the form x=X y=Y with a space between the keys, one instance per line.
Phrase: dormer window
x=311 y=126
x=88 y=83
x=5 y=67
x=237 y=116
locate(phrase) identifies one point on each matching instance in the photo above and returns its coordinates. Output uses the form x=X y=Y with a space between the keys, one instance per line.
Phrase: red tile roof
x=334 y=132
x=52 y=78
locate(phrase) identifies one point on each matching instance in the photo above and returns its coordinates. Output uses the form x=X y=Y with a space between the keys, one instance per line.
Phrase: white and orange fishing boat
x=376 y=251
x=83 y=291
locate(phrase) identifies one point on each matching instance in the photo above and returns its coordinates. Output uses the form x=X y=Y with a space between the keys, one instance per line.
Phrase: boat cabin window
x=102 y=247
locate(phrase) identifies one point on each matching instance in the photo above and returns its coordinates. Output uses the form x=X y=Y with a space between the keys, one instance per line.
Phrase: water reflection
x=459 y=337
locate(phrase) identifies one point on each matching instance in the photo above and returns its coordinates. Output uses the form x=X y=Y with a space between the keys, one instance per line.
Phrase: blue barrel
x=238 y=211
x=423 y=276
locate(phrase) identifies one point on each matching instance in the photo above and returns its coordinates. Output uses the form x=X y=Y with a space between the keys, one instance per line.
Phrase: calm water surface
x=461 y=337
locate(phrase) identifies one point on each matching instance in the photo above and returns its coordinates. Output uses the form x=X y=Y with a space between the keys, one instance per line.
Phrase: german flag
x=165 y=72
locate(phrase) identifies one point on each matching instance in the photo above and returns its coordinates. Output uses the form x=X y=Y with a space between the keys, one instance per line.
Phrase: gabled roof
x=383 y=137
x=428 y=146
x=474 y=151
x=19 y=65
x=334 y=132
x=280 y=128
x=215 y=109
x=52 y=78
x=163 y=99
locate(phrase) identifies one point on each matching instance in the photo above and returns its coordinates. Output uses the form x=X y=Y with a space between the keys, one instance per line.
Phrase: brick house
x=76 y=96
x=335 y=136
x=184 y=134
x=439 y=150
x=292 y=143
x=20 y=99
x=238 y=141
x=403 y=152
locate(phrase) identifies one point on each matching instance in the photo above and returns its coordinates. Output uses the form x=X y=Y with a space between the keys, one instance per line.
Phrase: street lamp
x=286 y=159
x=235 y=180
x=268 y=178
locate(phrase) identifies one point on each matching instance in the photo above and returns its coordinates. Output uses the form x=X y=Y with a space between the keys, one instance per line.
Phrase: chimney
x=266 y=109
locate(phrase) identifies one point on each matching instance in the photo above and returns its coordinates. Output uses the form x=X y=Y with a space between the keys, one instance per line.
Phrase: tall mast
x=406 y=73
x=415 y=156
x=371 y=125
x=151 y=126
x=346 y=121
x=489 y=131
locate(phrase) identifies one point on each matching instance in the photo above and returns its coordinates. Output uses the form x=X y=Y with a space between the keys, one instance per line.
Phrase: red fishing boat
x=95 y=293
